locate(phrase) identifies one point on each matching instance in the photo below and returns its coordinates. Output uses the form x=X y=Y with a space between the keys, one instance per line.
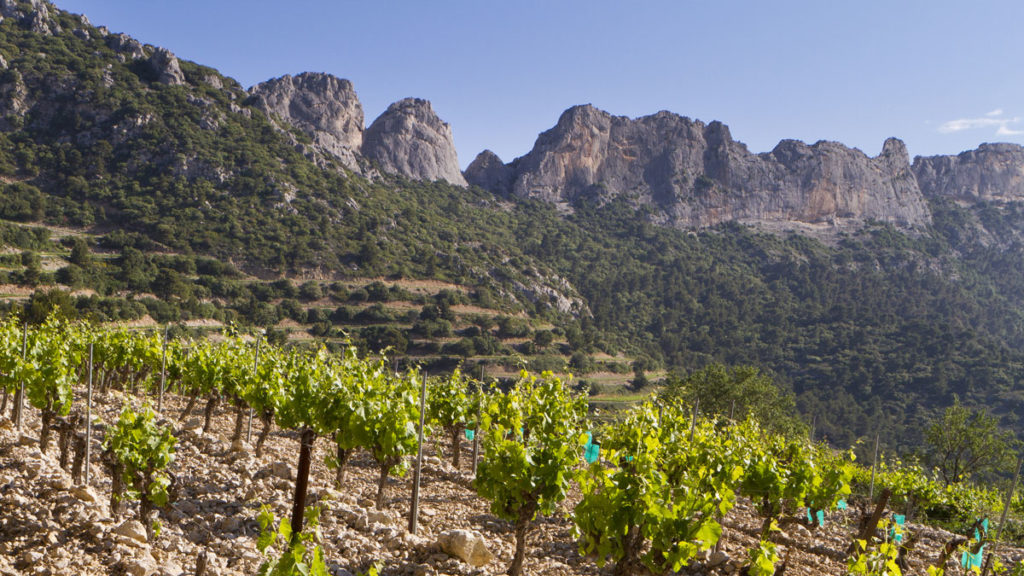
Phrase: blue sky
x=944 y=76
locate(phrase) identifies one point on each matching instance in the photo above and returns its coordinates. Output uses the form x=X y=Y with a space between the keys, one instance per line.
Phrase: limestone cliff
x=323 y=106
x=991 y=172
x=696 y=175
x=409 y=139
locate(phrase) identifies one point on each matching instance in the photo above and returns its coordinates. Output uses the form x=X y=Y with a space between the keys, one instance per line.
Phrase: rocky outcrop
x=165 y=66
x=489 y=172
x=991 y=172
x=696 y=175
x=35 y=17
x=323 y=106
x=409 y=139
x=127 y=48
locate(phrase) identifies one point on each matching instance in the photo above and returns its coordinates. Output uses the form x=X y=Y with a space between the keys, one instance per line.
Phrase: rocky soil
x=49 y=526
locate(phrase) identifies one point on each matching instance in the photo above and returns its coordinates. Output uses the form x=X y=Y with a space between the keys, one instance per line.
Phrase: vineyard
x=137 y=453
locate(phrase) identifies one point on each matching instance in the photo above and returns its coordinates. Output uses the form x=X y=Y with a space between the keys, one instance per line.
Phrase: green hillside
x=184 y=204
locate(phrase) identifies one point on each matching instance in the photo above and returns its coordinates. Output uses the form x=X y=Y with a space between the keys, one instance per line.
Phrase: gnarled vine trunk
x=48 y=416
x=632 y=548
x=192 y=399
x=267 y=417
x=342 y=458
x=78 y=464
x=456 y=434
x=211 y=405
x=522 y=528
x=385 y=471
x=236 y=436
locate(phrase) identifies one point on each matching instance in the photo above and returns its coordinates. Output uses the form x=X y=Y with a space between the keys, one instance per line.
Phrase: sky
x=942 y=75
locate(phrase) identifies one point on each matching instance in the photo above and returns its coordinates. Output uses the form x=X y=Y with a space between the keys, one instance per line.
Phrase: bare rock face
x=992 y=172
x=489 y=172
x=36 y=16
x=127 y=47
x=166 y=67
x=9 y=9
x=409 y=139
x=321 y=105
x=696 y=175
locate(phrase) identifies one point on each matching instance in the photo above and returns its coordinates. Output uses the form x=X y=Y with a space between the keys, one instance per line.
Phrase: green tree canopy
x=739 y=391
x=962 y=442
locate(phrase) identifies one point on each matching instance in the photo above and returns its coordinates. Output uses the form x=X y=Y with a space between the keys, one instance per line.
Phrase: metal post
x=255 y=374
x=414 y=512
x=693 y=422
x=1006 y=508
x=163 y=373
x=19 y=404
x=477 y=429
x=88 y=420
x=871 y=493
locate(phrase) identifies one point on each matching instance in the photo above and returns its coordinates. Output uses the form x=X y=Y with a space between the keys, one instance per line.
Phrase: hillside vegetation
x=184 y=204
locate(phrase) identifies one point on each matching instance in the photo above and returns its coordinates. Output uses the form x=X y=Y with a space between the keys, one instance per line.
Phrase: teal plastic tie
x=820 y=514
x=841 y=505
x=591 y=453
x=970 y=561
x=984 y=525
x=901 y=520
x=470 y=434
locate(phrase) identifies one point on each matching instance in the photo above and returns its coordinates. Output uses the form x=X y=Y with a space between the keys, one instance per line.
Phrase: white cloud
x=1004 y=131
x=993 y=119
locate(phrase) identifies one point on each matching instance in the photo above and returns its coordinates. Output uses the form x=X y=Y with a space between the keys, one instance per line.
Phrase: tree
x=738 y=391
x=963 y=442
x=80 y=255
x=543 y=338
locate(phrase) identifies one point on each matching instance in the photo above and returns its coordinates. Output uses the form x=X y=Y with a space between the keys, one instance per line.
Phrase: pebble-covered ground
x=49 y=526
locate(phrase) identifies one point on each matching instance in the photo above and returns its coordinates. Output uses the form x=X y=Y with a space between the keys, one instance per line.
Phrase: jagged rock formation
x=36 y=18
x=127 y=48
x=992 y=172
x=321 y=105
x=409 y=139
x=489 y=172
x=697 y=175
x=165 y=66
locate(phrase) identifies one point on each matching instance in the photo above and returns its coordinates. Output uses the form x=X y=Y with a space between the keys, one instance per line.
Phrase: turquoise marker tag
x=900 y=520
x=970 y=561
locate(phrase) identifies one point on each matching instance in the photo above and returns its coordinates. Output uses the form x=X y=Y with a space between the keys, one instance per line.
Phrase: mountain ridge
x=178 y=186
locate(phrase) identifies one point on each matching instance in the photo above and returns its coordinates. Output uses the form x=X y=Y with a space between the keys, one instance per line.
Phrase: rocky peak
x=409 y=139
x=896 y=151
x=489 y=172
x=166 y=67
x=323 y=106
x=696 y=175
x=991 y=172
